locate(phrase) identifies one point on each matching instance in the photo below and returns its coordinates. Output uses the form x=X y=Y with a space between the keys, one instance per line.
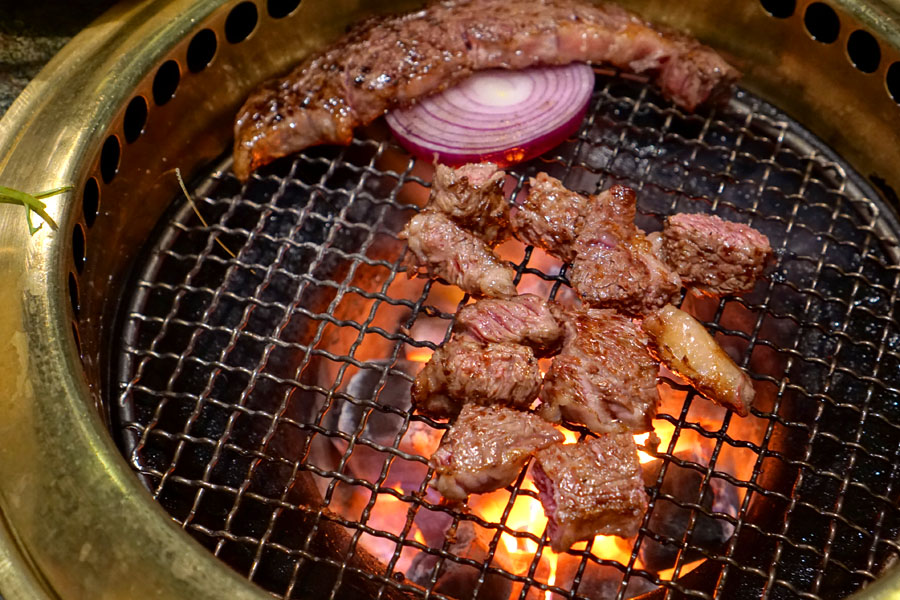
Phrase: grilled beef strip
x=525 y=319
x=387 y=62
x=719 y=257
x=687 y=348
x=590 y=488
x=462 y=371
x=604 y=377
x=472 y=196
x=445 y=250
x=486 y=448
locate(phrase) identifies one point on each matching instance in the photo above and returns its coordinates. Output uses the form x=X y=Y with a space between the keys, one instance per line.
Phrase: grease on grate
x=264 y=399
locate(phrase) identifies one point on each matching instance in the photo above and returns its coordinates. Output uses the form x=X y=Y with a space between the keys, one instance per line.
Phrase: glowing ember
x=667 y=574
x=421 y=355
x=570 y=435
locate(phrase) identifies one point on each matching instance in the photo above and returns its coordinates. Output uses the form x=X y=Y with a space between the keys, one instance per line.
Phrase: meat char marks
x=716 y=256
x=614 y=265
x=605 y=377
x=472 y=196
x=486 y=448
x=526 y=319
x=451 y=238
x=447 y=251
x=550 y=217
x=462 y=371
x=387 y=62
x=591 y=488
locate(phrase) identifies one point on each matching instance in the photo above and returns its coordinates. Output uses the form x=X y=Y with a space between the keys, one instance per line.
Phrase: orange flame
x=667 y=574
x=421 y=355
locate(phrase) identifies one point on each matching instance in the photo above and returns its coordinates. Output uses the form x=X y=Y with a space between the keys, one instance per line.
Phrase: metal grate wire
x=234 y=374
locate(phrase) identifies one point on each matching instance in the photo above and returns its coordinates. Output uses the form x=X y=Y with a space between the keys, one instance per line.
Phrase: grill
x=208 y=425
x=264 y=398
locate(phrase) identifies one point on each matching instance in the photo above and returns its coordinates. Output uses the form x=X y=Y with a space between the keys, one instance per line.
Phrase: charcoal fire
x=498 y=544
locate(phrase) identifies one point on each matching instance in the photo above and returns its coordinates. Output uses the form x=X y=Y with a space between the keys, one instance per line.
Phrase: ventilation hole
x=781 y=9
x=281 y=8
x=201 y=50
x=821 y=22
x=165 y=82
x=109 y=158
x=863 y=50
x=241 y=22
x=135 y=118
x=73 y=294
x=892 y=81
x=90 y=201
x=78 y=248
x=77 y=340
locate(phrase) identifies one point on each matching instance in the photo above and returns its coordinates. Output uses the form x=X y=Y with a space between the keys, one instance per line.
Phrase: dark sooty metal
x=264 y=399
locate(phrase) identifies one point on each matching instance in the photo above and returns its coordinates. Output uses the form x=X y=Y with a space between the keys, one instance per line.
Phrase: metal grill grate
x=264 y=398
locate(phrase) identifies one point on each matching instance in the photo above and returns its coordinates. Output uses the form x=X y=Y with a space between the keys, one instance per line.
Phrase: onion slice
x=498 y=115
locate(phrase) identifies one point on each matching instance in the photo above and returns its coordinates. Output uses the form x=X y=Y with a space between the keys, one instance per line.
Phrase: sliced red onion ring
x=500 y=116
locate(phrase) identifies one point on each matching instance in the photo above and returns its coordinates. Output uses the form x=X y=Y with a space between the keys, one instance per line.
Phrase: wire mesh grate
x=264 y=399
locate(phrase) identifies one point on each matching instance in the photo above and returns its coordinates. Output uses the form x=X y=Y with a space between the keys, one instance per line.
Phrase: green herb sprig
x=32 y=202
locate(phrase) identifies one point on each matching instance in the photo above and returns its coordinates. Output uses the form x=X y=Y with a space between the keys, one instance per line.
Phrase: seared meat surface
x=615 y=265
x=687 y=348
x=720 y=257
x=386 y=62
x=591 y=488
x=462 y=371
x=472 y=196
x=445 y=250
x=605 y=377
x=486 y=448
x=550 y=217
x=525 y=319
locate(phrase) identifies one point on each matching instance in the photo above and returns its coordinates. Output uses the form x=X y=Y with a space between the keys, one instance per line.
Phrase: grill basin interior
x=236 y=375
x=823 y=347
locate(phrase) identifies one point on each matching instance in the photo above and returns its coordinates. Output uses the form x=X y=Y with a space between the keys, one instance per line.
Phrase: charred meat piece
x=605 y=376
x=615 y=264
x=719 y=257
x=472 y=196
x=525 y=319
x=688 y=349
x=486 y=448
x=462 y=371
x=550 y=217
x=591 y=488
x=447 y=251
x=386 y=62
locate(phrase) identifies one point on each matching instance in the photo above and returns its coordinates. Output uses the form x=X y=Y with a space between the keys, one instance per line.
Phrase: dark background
x=31 y=32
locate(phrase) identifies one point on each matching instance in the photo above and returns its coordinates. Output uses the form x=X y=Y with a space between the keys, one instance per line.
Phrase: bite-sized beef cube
x=525 y=319
x=447 y=251
x=550 y=217
x=719 y=257
x=472 y=196
x=462 y=371
x=604 y=377
x=486 y=448
x=615 y=264
x=591 y=488
x=688 y=349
